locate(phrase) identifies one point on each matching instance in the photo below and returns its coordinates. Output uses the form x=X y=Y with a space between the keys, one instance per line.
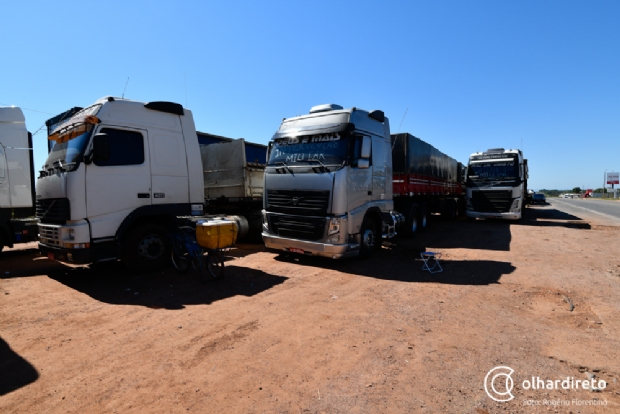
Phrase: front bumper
x=505 y=216
x=73 y=256
x=334 y=251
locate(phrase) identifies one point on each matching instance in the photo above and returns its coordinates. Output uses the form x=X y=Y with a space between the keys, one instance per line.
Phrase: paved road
x=600 y=210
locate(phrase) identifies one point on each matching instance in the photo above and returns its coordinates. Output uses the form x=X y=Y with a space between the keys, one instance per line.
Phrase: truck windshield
x=329 y=149
x=493 y=170
x=71 y=137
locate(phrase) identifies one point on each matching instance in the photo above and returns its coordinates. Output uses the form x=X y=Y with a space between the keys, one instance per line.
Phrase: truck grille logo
x=296 y=200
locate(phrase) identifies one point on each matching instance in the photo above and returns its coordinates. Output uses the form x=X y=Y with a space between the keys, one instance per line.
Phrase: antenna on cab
x=123 y=96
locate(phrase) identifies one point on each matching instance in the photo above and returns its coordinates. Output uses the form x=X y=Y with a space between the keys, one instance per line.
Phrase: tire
x=368 y=238
x=180 y=257
x=3 y=242
x=412 y=221
x=423 y=224
x=146 y=248
x=215 y=265
x=449 y=212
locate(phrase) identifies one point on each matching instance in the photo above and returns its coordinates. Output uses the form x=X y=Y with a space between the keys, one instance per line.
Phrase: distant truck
x=123 y=174
x=497 y=184
x=17 y=222
x=337 y=182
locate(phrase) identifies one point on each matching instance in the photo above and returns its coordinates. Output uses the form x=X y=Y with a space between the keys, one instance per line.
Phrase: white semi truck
x=497 y=184
x=337 y=182
x=17 y=222
x=120 y=177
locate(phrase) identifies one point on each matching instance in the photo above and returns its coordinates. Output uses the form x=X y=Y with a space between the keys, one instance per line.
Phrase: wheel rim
x=369 y=239
x=151 y=247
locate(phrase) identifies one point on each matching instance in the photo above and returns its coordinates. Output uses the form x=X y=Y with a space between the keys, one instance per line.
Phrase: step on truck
x=337 y=183
x=497 y=184
x=17 y=221
x=120 y=177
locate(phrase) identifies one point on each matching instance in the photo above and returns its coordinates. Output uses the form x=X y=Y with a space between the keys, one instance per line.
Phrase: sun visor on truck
x=313 y=130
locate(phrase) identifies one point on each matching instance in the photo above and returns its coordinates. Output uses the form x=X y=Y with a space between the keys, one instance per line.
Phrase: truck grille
x=295 y=227
x=491 y=201
x=49 y=235
x=302 y=202
x=54 y=210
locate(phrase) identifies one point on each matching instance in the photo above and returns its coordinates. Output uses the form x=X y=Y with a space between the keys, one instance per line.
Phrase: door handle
x=144 y=195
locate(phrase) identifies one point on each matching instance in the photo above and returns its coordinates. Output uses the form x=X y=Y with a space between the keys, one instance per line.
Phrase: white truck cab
x=118 y=174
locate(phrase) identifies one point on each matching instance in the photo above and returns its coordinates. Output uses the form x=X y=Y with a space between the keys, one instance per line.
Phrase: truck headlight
x=334 y=226
x=515 y=204
x=265 y=222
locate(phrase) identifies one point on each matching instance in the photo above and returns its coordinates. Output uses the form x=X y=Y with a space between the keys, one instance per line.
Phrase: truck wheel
x=449 y=212
x=146 y=248
x=423 y=224
x=368 y=238
x=412 y=221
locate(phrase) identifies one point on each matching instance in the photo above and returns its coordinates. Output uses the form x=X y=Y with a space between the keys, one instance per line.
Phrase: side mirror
x=363 y=164
x=366 y=147
x=101 y=147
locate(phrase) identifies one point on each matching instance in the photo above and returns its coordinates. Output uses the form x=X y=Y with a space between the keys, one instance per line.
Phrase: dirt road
x=283 y=334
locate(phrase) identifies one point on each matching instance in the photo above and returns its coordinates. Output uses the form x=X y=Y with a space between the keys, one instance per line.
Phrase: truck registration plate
x=295 y=250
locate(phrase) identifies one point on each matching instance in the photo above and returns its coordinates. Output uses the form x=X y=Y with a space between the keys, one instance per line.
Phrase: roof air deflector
x=325 y=108
x=377 y=115
x=161 y=106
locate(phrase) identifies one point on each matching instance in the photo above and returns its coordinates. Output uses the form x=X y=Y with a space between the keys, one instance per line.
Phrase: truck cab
x=118 y=173
x=328 y=183
x=496 y=184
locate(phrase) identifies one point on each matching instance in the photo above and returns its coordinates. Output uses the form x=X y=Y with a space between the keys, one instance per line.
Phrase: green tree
x=577 y=190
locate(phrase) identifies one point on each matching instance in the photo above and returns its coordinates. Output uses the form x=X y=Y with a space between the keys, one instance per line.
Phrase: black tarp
x=411 y=155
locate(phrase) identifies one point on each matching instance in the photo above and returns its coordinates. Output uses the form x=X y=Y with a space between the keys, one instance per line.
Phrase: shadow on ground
x=111 y=282
x=407 y=267
x=166 y=289
x=15 y=371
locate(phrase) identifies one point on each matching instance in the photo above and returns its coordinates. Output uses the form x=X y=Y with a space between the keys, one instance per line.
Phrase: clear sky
x=464 y=76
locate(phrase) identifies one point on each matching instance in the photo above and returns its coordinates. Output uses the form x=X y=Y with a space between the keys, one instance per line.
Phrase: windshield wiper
x=285 y=166
x=322 y=165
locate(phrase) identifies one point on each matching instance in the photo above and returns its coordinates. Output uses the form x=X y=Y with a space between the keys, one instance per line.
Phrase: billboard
x=613 y=178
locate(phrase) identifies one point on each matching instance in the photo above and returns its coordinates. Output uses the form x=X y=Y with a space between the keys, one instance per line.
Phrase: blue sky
x=465 y=75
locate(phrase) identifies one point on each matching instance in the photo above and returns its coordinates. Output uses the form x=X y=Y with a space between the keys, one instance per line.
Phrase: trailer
x=17 y=221
x=233 y=171
x=425 y=180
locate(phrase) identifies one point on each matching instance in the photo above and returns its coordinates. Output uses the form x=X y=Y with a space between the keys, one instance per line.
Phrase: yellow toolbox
x=216 y=233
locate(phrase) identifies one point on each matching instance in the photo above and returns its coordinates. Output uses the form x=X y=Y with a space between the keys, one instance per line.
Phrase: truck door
x=359 y=186
x=122 y=183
